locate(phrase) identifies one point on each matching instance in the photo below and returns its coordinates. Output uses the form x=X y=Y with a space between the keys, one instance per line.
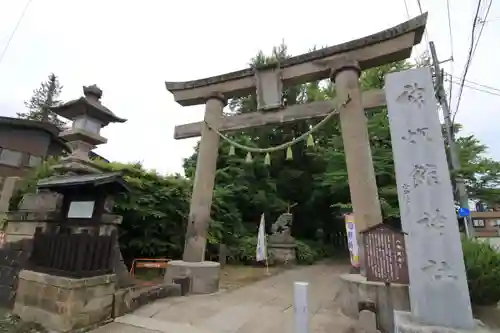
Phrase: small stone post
x=301 y=307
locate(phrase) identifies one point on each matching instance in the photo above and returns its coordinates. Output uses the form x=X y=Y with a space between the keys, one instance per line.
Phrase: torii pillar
x=206 y=165
x=365 y=201
x=203 y=275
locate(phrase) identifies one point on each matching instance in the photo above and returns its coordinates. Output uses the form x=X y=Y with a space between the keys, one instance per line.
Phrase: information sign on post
x=352 y=242
x=385 y=255
x=463 y=212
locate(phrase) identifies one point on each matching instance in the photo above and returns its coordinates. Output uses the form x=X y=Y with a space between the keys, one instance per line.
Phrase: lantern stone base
x=64 y=304
x=282 y=254
x=203 y=276
x=355 y=289
x=404 y=322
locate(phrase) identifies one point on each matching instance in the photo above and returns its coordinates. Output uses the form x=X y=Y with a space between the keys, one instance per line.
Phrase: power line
x=477 y=84
x=475 y=88
x=450 y=89
x=426 y=34
x=480 y=90
x=449 y=27
x=407 y=10
x=482 y=26
x=490 y=20
x=6 y=47
x=452 y=69
x=469 y=59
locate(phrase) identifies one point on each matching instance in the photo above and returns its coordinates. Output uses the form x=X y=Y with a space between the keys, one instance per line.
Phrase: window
x=81 y=209
x=10 y=157
x=34 y=161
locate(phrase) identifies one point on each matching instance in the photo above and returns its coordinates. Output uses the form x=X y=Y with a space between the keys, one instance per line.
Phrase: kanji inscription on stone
x=424 y=174
x=385 y=255
x=413 y=135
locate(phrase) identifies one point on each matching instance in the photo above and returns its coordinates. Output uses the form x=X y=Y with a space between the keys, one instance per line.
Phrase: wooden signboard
x=385 y=255
x=151 y=265
x=157 y=263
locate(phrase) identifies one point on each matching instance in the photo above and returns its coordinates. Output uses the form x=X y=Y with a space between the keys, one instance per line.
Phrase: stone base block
x=64 y=304
x=282 y=254
x=355 y=289
x=405 y=323
x=130 y=299
x=124 y=302
x=203 y=276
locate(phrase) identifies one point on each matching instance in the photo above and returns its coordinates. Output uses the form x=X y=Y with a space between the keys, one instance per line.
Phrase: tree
x=481 y=173
x=43 y=98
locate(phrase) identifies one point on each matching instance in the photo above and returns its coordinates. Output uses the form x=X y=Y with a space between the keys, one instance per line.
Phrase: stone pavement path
x=262 y=307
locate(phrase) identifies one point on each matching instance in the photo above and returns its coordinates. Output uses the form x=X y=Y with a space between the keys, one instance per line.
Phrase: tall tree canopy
x=43 y=98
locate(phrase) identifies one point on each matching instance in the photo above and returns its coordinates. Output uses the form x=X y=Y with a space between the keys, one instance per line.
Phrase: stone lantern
x=67 y=233
x=88 y=116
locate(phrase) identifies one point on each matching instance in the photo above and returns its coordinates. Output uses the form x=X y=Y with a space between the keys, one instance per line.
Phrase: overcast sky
x=129 y=48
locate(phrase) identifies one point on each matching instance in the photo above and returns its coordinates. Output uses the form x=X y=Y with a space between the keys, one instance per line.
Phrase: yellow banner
x=352 y=242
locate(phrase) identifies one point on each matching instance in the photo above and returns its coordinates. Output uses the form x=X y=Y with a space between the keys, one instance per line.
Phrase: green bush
x=482 y=264
x=306 y=254
x=156 y=210
x=244 y=252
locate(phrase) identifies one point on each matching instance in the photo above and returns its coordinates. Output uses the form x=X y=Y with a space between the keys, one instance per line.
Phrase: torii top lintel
x=386 y=46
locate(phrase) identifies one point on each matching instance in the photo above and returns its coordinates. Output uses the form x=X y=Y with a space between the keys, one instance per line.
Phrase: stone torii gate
x=341 y=63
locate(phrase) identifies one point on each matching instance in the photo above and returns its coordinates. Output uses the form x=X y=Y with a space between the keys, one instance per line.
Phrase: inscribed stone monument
x=439 y=294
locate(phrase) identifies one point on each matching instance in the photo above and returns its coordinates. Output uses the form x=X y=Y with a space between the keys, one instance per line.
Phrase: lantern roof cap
x=89 y=104
x=112 y=180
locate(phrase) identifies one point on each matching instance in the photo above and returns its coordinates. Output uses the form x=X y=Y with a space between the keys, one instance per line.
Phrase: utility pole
x=452 y=147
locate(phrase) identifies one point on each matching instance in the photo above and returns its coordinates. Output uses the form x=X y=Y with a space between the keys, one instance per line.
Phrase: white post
x=300 y=308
